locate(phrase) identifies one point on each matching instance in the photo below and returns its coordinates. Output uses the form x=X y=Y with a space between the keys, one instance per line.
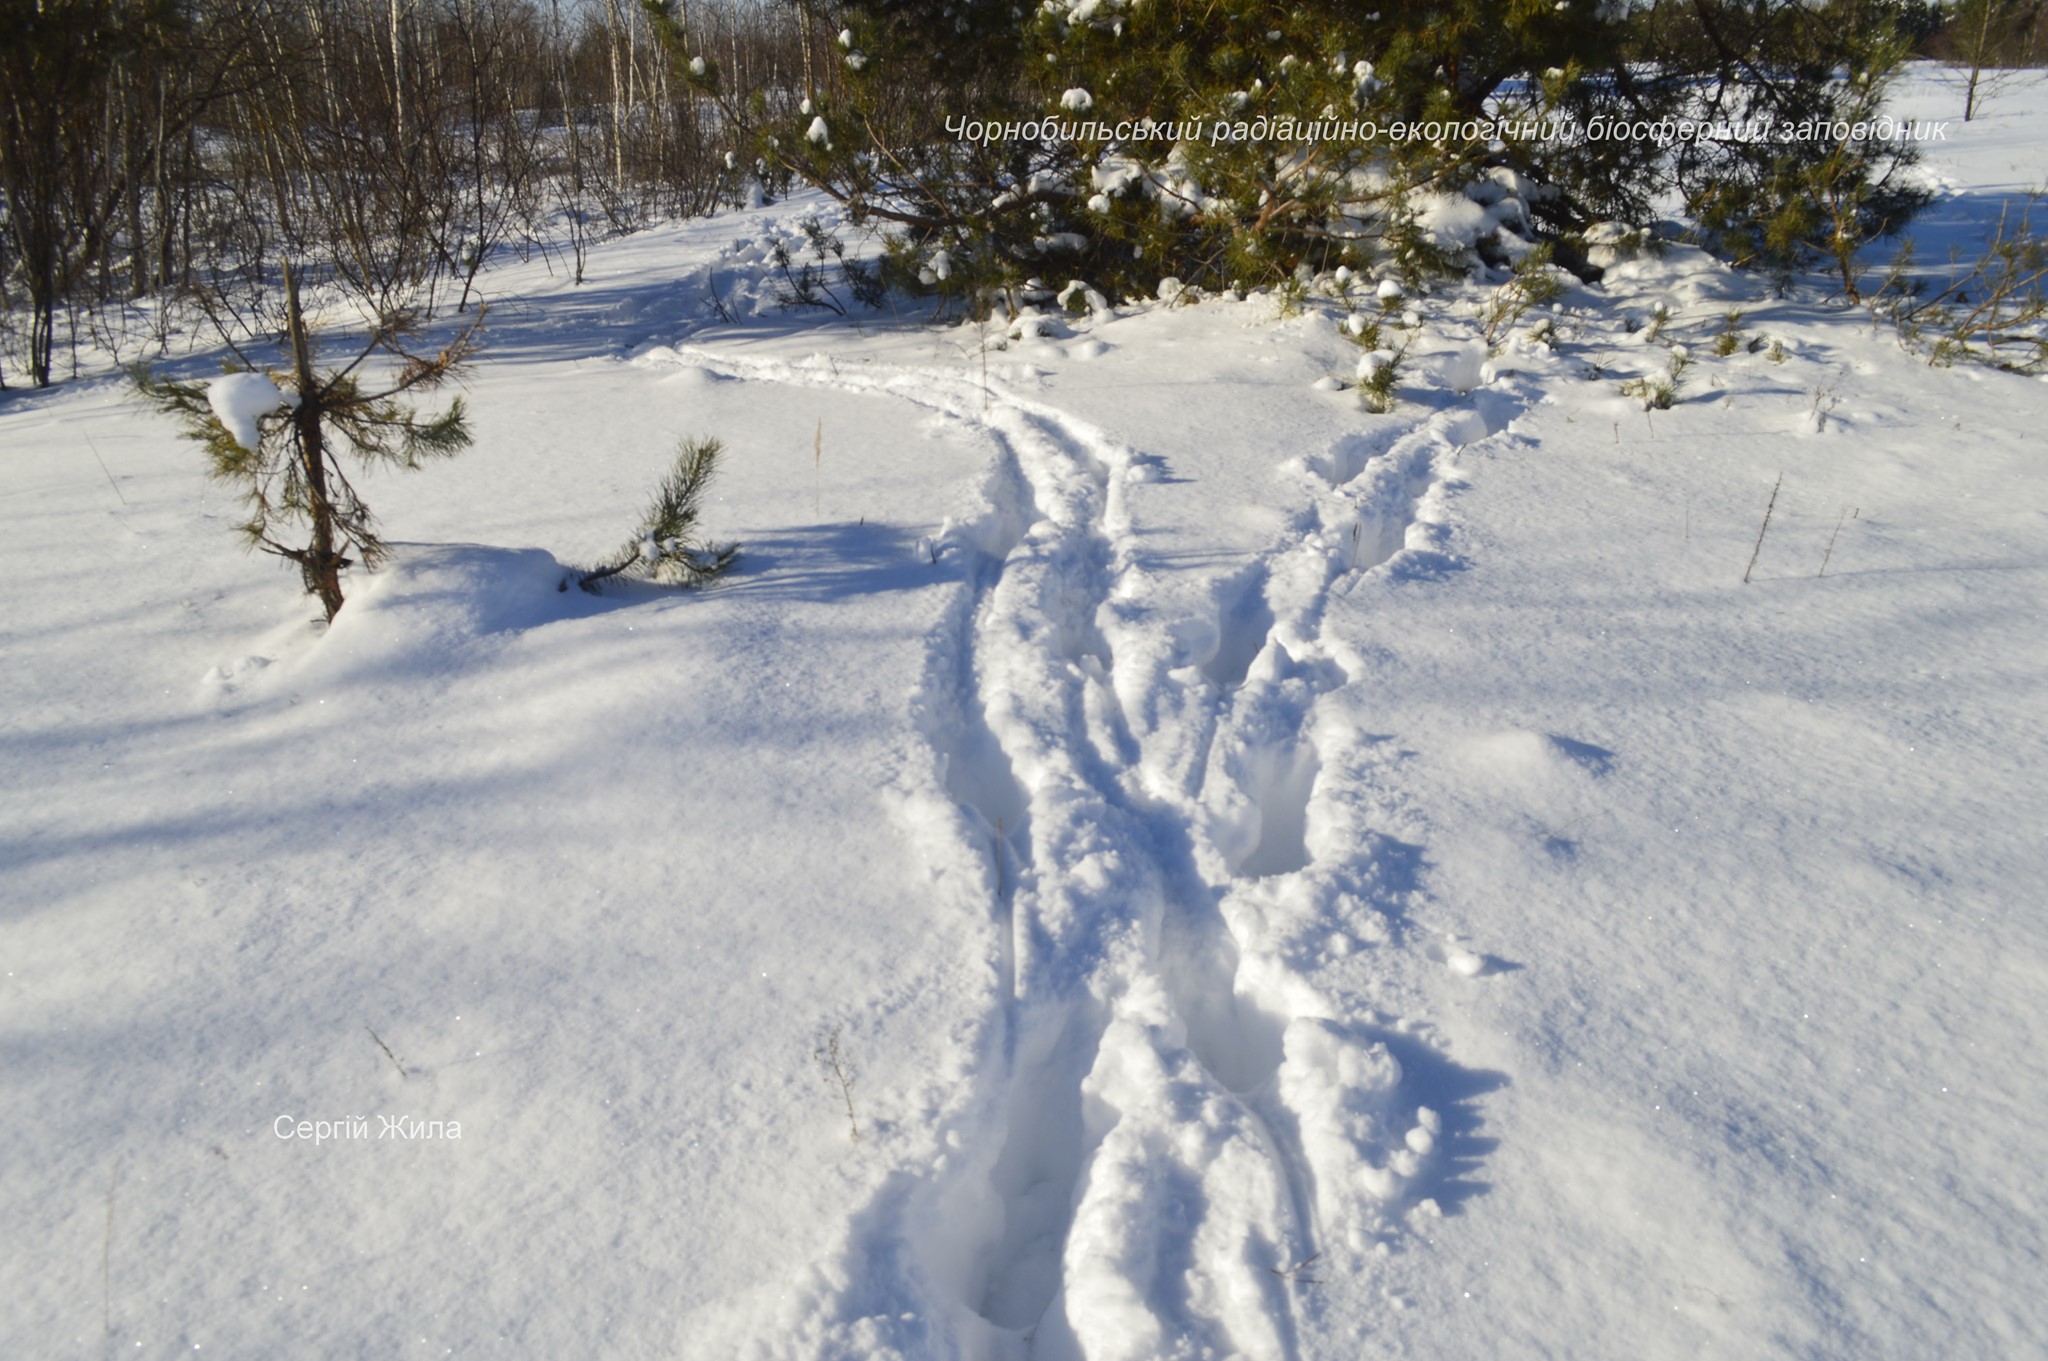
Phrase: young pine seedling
x=666 y=549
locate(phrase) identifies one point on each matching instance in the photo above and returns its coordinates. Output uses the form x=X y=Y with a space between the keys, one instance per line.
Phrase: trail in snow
x=1177 y=1125
x=1718 y=835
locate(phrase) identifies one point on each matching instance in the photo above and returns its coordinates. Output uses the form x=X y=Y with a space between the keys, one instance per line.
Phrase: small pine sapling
x=1660 y=316
x=1362 y=331
x=1657 y=391
x=867 y=281
x=1729 y=339
x=1378 y=372
x=1535 y=282
x=282 y=448
x=666 y=549
x=1291 y=293
x=806 y=285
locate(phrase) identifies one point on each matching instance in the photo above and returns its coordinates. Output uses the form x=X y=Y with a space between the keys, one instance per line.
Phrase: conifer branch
x=665 y=549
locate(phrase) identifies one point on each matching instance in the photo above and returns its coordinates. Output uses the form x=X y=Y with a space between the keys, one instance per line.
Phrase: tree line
x=186 y=149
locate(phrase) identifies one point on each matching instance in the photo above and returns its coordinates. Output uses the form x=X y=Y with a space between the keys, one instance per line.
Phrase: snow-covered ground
x=1280 y=881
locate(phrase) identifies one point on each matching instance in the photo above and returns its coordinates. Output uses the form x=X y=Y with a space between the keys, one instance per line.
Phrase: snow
x=241 y=400
x=1290 y=882
x=1452 y=222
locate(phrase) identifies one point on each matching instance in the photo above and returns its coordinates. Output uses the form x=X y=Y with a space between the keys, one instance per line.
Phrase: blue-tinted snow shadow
x=1456 y=1093
x=1386 y=872
x=512 y=590
x=1956 y=227
x=556 y=322
x=1594 y=760
x=622 y=321
x=1834 y=574
x=837 y=562
x=1423 y=564
x=444 y=616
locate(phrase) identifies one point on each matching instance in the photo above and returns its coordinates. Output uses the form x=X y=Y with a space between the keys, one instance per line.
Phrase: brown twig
x=387 y=1052
x=1768 y=508
x=1831 y=542
x=832 y=1058
x=1293 y=1273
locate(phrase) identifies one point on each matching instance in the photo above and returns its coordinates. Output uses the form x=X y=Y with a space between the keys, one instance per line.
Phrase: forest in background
x=180 y=151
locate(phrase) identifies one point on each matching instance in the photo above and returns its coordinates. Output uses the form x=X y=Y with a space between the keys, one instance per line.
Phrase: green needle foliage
x=292 y=482
x=931 y=118
x=666 y=549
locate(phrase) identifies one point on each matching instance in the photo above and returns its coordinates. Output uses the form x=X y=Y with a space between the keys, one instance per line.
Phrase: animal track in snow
x=1243 y=622
x=1169 y=1124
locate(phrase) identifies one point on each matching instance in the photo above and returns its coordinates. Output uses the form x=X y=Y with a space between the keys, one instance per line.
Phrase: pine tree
x=288 y=466
x=977 y=215
x=1807 y=75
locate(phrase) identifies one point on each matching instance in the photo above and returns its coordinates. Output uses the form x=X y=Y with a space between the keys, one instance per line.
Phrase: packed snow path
x=1178 y=1133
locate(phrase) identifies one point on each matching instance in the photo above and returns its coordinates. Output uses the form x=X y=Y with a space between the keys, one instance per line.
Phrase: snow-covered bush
x=1729 y=339
x=1213 y=210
